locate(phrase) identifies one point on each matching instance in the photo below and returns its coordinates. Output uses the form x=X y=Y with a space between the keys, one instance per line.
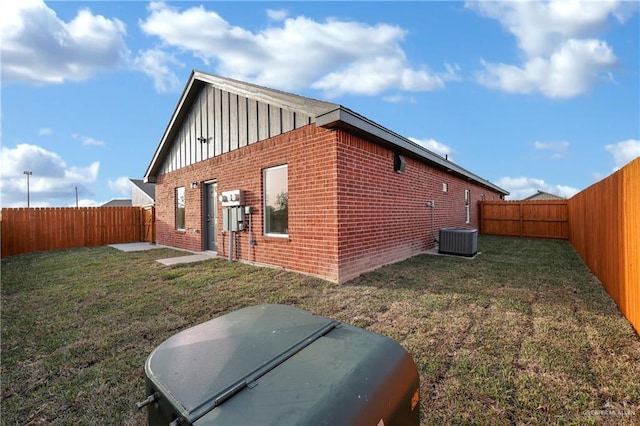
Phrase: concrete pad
x=185 y=259
x=434 y=251
x=195 y=257
x=136 y=246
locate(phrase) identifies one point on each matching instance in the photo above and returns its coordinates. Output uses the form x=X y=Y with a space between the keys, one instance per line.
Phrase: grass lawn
x=523 y=334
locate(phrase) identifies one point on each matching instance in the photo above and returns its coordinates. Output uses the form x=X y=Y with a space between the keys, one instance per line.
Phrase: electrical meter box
x=233 y=218
x=232 y=198
x=279 y=365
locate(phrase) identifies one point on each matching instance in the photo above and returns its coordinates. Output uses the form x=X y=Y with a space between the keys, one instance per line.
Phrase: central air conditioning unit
x=458 y=241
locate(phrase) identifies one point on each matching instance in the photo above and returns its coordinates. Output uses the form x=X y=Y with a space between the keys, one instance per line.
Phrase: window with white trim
x=276 y=201
x=180 y=208
x=467 y=205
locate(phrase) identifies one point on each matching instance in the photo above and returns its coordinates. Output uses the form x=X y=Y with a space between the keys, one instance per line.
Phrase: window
x=445 y=187
x=276 y=201
x=180 y=208
x=467 y=205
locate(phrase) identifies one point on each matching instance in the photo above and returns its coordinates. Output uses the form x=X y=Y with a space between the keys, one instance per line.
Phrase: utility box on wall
x=232 y=198
x=233 y=218
x=232 y=210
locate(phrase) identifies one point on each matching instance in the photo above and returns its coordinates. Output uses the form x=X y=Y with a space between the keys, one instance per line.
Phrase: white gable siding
x=228 y=121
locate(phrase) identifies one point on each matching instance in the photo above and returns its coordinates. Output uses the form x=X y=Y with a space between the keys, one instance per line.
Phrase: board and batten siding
x=228 y=122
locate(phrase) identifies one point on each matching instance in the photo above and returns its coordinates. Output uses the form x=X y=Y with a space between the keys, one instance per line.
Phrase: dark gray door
x=211 y=216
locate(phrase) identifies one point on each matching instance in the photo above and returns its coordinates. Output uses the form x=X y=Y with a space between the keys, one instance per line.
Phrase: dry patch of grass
x=523 y=334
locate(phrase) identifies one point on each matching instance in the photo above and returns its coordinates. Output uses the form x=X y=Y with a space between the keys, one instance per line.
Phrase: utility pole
x=28 y=173
x=76 y=197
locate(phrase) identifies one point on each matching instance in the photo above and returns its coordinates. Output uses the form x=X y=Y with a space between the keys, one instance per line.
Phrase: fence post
x=521 y=219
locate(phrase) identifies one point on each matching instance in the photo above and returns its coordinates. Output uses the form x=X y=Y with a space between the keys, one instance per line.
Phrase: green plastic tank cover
x=280 y=365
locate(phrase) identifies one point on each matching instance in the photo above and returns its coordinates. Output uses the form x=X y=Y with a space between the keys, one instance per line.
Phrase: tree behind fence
x=26 y=230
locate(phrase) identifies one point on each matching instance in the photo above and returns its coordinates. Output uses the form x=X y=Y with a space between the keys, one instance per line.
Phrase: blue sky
x=530 y=95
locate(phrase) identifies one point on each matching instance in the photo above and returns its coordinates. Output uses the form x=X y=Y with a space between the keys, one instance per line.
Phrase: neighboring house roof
x=118 y=202
x=541 y=195
x=324 y=114
x=145 y=190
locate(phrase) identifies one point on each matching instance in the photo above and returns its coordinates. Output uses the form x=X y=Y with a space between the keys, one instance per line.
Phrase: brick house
x=332 y=193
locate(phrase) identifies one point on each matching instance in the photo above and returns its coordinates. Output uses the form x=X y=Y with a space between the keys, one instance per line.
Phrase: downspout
x=250 y=240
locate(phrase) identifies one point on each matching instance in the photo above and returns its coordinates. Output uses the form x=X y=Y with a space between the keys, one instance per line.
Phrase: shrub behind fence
x=26 y=230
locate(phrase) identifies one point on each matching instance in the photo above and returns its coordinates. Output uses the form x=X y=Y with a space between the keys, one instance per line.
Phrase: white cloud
x=435 y=146
x=335 y=56
x=88 y=140
x=39 y=48
x=539 y=26
x=568 y=72
x=277 y=15
x=399 y=98
x=85 y=202
x=31 y=157
x=156 y=64
x=557 y=149
x=52 y=178
x=45 y=131
x=83 y=174
x=522 y=187
x=371 y=76
x=121 y=185
x=624 y=152
x=562 y=58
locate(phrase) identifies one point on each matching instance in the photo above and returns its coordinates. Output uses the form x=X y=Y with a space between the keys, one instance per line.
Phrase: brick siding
x=383 y=216
x=311 y=246
x=349 y=212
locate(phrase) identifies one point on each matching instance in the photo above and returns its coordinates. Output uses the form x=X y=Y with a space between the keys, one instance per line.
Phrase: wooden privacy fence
x=605 y=230
x=531 y=218
x=602 y=223
x=26 y=230
x=149 y=224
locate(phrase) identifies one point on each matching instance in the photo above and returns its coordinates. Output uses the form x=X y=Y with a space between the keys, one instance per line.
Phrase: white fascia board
x=150 y=174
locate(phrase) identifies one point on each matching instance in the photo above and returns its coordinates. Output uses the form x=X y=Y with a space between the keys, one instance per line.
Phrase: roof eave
x=285 y=100
x=344 y=118
x=326 y=114
x=288 y=101
x=152 y=170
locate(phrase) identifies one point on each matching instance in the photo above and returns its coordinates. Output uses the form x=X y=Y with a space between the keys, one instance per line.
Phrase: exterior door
x=211 y=217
